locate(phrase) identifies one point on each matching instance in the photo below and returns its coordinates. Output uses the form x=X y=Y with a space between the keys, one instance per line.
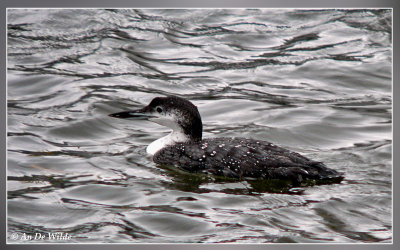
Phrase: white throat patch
x=170 y=139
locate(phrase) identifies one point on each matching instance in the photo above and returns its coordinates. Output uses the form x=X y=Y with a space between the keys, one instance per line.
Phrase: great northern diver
x=238 y=158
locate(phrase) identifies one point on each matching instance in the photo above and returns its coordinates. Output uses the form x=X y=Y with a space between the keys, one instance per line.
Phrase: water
x=315 y=81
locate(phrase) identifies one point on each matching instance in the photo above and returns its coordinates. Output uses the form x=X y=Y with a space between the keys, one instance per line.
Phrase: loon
x=237 y=158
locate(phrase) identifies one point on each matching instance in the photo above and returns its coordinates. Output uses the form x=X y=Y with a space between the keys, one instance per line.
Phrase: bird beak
x=140 y=114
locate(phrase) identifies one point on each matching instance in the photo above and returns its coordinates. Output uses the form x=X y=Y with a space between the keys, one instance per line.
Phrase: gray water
x=314 y=81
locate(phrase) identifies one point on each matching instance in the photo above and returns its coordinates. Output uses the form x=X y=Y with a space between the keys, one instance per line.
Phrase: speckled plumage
x=242 y=158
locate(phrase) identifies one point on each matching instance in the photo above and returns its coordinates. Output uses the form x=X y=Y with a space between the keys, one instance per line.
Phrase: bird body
x=239 y=158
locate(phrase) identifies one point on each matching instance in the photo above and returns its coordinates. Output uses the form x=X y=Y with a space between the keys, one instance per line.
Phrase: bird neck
x=174 y=137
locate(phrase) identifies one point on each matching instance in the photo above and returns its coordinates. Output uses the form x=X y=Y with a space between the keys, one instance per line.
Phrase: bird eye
x=159 y=110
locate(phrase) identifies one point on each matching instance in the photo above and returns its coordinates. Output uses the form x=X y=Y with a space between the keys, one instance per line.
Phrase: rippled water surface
x=314 y=81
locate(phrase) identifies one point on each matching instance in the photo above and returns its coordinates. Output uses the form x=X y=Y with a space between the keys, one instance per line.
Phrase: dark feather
x=243 y=158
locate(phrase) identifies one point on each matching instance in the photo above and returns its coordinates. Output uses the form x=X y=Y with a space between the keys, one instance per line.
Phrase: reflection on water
x=314 y=81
